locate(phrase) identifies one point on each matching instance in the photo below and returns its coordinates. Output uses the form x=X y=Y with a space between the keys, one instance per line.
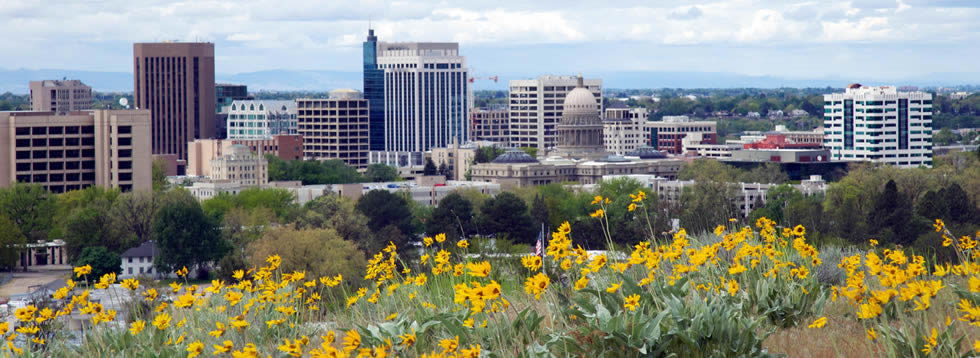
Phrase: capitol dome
x=580 y=130
x=580 y=106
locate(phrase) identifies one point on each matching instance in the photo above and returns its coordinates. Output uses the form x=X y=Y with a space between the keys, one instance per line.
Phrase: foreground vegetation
x=720 y=294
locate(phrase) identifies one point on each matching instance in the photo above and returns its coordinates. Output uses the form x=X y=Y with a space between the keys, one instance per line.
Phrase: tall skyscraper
x=880 y=124
x=536 y=108
x=60 y=96
x=424 y=94
x=374 y=92
x=175 y=81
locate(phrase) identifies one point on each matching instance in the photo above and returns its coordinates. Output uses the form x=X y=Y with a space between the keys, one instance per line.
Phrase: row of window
x=64 y=130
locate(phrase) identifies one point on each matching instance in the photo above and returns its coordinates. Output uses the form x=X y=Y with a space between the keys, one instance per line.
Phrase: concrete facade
x=336 y=128
x=175 y=81
x=492 y=125
x=257 y=119
x=108 y=148
x=555 y=170
x=879 y=124
x=536 y=108
x=239 y=165
x=456 y=157
x=60 y=96
x=201 y=151
x=426 y=95
x=622 y=130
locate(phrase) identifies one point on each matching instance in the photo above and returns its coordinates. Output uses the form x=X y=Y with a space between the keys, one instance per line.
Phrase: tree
x=318 y=252
x=958 y=206
x=507 y=214
x=539 y=211
x=708 y=169
x=383 y=208
x=379 y=172
x=11 y=240
x=892 y=217
x=132 y=214
x=338 y=213
x=453 y=216
x=101 y=259
x=770 y=173
x=93 y=226
x=444 y=170
x=185 y=235
x=430 y=167
x=945 y=136
x=158 y=174
x=30 y=207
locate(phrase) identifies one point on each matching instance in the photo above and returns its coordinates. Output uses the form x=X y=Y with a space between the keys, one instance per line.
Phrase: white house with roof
x=138 y=261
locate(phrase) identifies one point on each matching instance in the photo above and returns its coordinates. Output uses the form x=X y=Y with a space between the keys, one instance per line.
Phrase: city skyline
x=758 y=38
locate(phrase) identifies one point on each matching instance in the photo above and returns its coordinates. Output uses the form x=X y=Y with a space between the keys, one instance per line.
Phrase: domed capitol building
x=579 y=156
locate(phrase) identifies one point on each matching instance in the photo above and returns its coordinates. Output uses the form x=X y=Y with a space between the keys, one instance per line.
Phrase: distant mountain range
x=16 y=81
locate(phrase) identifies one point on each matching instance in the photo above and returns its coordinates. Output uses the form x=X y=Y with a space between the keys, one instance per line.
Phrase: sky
x=792 y=39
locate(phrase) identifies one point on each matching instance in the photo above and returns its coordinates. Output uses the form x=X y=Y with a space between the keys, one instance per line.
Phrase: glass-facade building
x=374 y=92
x=418 y=95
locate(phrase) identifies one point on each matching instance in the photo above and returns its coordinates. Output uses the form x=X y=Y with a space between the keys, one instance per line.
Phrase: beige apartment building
x=536 y=108
x=239 y=165
x=175 y=81
x=108 y=148
x=336 y=127
x=60 y=96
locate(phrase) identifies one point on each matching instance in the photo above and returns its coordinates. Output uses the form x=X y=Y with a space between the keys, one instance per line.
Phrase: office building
x=107 y=148
x=457 y=159
x=60 y=96
x=426 y=95
x=623 y=128
x=374 y=92
x=536 y=108
x=879 y=124
x=241 y=166
x=225 y=94
x=261 y=119
x=668 y=135
x=175 y=81
x=201 y=151
x=490 y=125
x=336 y=127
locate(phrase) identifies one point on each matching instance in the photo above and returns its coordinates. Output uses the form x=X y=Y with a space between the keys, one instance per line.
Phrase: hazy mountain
x=290 y=80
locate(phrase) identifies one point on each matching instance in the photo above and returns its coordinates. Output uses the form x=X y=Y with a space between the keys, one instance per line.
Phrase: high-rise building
x=879 y=124
x=536 y=108
x=374 y=92
x=490 y=125
x=336 y=128
x=425 y=95
x=255 y=119
x=107 y=148
x=622 y=128
x=175 y=81
x=60 y=96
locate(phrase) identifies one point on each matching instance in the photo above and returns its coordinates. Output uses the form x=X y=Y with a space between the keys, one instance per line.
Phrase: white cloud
x=864 y=29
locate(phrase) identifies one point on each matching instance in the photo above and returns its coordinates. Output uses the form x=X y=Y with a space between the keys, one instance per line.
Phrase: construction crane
x=494 y=78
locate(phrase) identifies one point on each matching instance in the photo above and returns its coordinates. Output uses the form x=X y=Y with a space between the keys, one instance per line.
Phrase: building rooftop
x=146 y=249
x=514 y=156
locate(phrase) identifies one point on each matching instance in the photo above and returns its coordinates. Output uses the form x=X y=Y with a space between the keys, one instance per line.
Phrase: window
x=130 y=269
x=39 y=130
x=125 y=129
x=125 y=141
x=130 y=260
